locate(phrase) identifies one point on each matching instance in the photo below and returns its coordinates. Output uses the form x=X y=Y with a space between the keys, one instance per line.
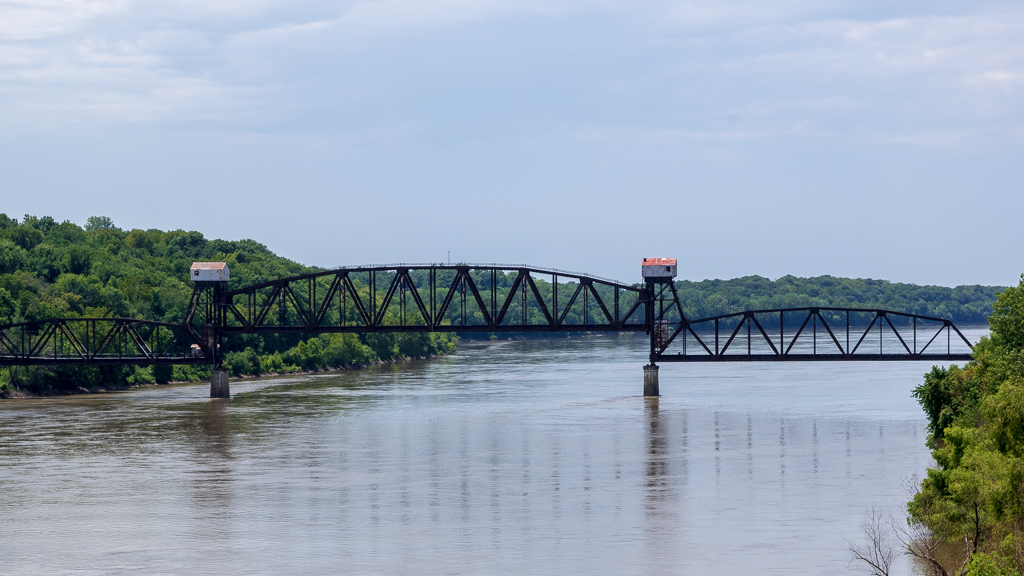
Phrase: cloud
x=737 y=13
x=48 y=19
x=650 y=72
x=792 y=71
x=124 y=61
x=391 y=14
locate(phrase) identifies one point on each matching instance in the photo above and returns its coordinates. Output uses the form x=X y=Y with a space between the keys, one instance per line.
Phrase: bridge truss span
x=434 y=298
x=808 y=334
x=101 y=341
x=483 y=298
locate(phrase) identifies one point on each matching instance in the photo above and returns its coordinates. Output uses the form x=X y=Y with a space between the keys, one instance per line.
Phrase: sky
x=854 y=138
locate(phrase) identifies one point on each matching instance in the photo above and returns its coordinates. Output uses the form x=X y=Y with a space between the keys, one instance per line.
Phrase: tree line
x=963 y=304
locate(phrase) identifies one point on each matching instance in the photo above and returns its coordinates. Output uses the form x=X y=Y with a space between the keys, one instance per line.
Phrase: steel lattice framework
x=435 y=298
x=100 y=341
x=745 y=337
x=479 y=298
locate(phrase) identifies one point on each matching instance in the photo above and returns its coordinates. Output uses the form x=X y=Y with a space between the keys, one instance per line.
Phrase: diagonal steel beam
x=418 y=300
x=268 y=304
x=75 y=342
x=452 y=290
x=304 y=316
x=139 y=342
x=378 y=318
x=764 y=334
x=699 y=341
x=798 y=333
x=478 y=298
x=237 y=314
x=112 y=333
x=679 y=329
x=829 y=330
x=732 y=336
x=540 y=301
x=41 y=340
x=937 y=333
x=350 y=288
x=897 y=333
x=512 y=295
x=865 y=334
x=633 y=309
x=600 y=302
x=8 y=343
x=960 y=334
x=320 y=312
x=568 y=306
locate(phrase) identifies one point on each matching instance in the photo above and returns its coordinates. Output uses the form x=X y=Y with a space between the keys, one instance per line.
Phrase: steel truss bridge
x=481 y=298
x=98 y=342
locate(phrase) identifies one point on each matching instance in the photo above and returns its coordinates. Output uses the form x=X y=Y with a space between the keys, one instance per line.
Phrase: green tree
x=24 y=236
x=1007 y=320
x=8 y=307
x=12 y=257
x=75 y=259
x=95 y=223
x=988 y=565
x=383 y=344
x=163 y=373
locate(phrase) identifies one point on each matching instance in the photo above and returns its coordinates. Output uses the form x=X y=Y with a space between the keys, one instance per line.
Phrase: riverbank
x=11 y=392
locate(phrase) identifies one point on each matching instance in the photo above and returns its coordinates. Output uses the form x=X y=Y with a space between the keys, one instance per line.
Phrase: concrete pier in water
x=651 y=380
x=219 y=383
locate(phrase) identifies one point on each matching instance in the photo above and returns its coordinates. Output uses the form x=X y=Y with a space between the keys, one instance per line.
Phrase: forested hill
x=963 y=304
x=51 y=269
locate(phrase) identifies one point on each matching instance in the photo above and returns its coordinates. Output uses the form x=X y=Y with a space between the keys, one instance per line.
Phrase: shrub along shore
x=244 y=364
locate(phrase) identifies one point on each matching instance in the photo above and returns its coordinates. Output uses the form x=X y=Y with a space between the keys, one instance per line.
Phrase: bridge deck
x=815 y=358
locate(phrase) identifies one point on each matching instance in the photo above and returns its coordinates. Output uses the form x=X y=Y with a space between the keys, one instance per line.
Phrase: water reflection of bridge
x=475 y=298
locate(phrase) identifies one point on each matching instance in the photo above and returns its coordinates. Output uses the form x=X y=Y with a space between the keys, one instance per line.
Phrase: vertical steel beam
x=618 y=321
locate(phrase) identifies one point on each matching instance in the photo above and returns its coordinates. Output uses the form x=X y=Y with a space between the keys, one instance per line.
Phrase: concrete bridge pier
x=219 y=383
x=651 y=380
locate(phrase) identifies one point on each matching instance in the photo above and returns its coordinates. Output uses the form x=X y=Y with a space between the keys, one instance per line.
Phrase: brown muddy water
x=523 y=457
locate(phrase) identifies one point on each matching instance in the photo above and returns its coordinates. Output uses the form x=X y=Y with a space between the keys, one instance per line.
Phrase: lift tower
x=662 y=309
x=206 y=312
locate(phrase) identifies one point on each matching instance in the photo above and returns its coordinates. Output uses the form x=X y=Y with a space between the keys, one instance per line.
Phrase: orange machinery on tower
x=658 y=269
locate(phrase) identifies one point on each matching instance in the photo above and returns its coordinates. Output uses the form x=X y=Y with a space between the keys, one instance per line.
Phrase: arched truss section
x=100 y=341
x=481 y=298
x=435 y=298
x=809 y=334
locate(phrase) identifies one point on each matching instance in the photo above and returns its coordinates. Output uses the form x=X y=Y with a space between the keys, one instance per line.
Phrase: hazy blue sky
x=867 y=139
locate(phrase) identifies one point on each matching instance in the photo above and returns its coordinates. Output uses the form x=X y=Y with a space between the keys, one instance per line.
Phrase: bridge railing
x=479 y=266
x=100 y=341
x=446 y=298
x=812 y=333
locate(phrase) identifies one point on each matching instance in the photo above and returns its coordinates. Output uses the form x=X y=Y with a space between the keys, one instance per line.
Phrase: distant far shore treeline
x=963 y=304
x=51 y=269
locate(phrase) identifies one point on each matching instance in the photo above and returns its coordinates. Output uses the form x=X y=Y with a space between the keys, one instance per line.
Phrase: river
x=513 y=457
